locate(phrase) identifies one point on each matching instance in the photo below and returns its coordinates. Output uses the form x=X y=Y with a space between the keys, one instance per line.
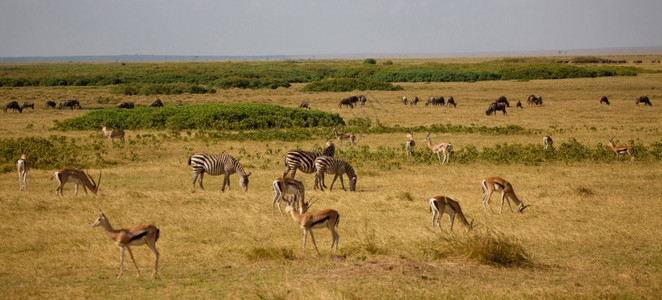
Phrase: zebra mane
x=239 y=170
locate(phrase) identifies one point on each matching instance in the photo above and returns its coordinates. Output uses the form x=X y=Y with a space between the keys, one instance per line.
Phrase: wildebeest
x=70 y=103
x=346 y=102
x=604 y=100
x=404 y=100
x=519 y=104
x=304 y=105
x=27 y=104
x=156 y=103
x=436 y=101
x=533 y=99
x=451 y=101
x=644 y=100
x=362 y=99
x=503 y=100
x=50 y=103
x=494 y=106
x=13 y=105
x=413 y=101
x=127 y=105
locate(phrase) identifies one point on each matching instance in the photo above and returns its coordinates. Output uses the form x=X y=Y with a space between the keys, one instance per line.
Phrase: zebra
x=331 y=165
x=304 y=160
x=217 y=164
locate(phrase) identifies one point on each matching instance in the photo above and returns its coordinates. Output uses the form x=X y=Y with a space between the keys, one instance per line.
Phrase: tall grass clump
x=485 y=247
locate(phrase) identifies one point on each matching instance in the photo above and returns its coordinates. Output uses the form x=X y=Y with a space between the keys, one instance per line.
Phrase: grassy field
x=592 y=231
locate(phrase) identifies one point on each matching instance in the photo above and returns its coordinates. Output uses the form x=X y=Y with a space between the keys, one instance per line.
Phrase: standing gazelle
x=444 y=148
x=410 y=144
x=113 y=134
x=344 y=136
x=284 y=186
x=133 y=236
x=78 y=177
x=22 y=167
x=618 y=150
x=491 y=184
x=307 y=221
x=547 y=142
x=442 y=204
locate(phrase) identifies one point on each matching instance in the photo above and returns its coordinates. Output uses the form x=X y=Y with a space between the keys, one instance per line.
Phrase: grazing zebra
x=217 y=164
x=331 y=165
x=304 y=160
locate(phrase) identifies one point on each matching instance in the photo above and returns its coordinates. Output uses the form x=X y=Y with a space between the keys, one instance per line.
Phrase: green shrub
x=348 y=85
x=369 y=61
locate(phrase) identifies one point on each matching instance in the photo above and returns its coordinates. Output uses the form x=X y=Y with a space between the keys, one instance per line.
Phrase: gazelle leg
x=156 y=257
x=312 y=237
x=121 y=262
x=305 y=237
x=451 y=218
x=76 y=190
x=486 y=200
x=277 y=196
x=133 y=260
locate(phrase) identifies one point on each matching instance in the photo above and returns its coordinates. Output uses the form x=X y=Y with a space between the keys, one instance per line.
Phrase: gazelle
x=112 y=134
x=491 y=184
x=78 y=177
x=618 y=150
x=410 y=144
x=547 y=142
x=439 y=149
x=442 y=204
x=284 y=186
x=22 y=167
x=133 y=236
x=307 y=221
x=344 y=136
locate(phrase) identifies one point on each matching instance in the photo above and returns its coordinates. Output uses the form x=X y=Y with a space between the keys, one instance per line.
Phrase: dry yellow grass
x=593 y=229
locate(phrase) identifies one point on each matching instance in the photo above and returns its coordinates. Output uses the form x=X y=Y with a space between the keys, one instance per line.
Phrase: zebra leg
x=226 y=180
x=333 y=182
x=200 y=178
x=342 y=183
x=195 y=178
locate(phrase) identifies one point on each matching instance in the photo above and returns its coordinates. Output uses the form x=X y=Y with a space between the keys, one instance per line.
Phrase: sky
x=315 y=27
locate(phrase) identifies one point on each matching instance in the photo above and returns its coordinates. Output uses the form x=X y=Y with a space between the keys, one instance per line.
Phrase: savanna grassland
x=592 y=231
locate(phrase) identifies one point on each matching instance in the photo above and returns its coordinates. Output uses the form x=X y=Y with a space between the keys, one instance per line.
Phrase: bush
x=348 y=85
x=369 y=61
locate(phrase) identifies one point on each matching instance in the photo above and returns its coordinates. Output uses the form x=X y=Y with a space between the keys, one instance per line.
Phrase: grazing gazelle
x=133 y=236
x=547 y=142
x=307 y=221
x=289 y=186
x=78 y=177
x=113 y=134
x=491 y=184
x=442 y=204
x=410 y=144
x=439 y=149
x=344 y=136
x=618 y=150
x=23 y=167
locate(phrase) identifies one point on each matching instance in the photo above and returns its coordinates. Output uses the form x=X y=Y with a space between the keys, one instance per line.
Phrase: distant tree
x=370 y=61
x=388 y=62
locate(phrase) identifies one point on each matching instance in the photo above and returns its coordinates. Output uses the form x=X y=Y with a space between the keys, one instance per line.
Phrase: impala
x=307 y=221
x=442 y=204
x=344 y=136
x=289 y=186
x=491 y=184
x=439 y=149
x=618 y=150
x=78 y=177
x=133 y=236
x=22 y=167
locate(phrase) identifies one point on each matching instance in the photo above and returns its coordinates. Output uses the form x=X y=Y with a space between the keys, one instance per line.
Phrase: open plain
x=592 y=231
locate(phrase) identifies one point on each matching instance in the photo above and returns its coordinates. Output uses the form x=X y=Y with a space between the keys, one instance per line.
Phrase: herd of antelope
x=320 y=163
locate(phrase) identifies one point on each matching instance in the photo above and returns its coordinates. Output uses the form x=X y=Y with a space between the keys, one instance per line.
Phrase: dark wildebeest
x=50 y=103
x=519 y=104
x=304 y=105
x=503 y=100
x=494 y=106
x=604 y=100
x=404 y=100
x=414 y=101
x=127 y=105
x=533 y=99
x=347 y=102
x=27 y=104
x=451 y=101
x=13 y=105
x=354 y=99
x=70 y=103
x=644 y=100
x=436 y=101
x=156 y=103
x=362 y=99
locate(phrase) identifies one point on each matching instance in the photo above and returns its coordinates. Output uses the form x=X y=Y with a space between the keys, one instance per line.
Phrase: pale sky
x=310 y=27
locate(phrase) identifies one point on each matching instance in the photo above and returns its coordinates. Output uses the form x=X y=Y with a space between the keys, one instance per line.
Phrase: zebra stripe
x=217 y=164
x=331 y=165
x=304 y=160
